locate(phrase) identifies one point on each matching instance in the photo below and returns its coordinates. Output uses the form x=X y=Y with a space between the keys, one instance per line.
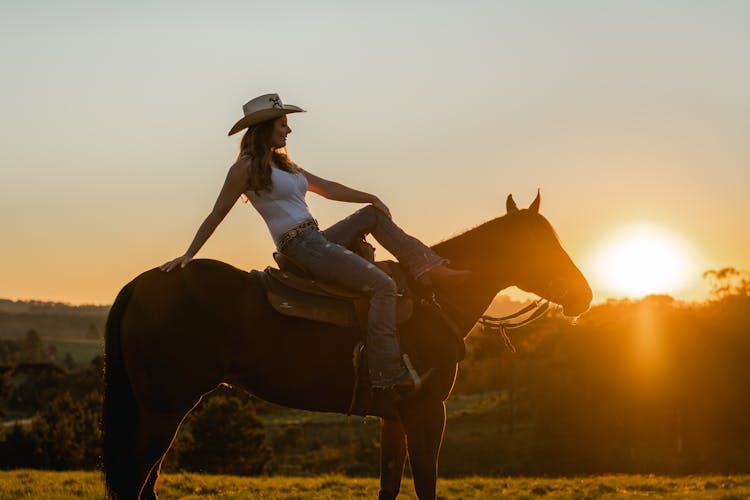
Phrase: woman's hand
x=181 y=261
x=381 y=206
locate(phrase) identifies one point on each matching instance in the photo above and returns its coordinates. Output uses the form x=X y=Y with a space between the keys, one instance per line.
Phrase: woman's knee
x=384 y=286
x=371 y=214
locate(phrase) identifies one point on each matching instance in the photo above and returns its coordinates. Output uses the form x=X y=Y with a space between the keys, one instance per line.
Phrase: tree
x=6 y=388
x=36 y=384
x=17 y=450
x=66 y=433
x=93 y=332
x=68 y=361
x=32 y=348
x=728 y=281
x=225 y=438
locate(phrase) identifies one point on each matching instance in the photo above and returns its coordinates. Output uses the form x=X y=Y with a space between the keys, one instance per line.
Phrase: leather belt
x=296 y=230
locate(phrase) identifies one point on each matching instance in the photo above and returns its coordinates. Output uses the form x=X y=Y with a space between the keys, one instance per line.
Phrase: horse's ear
x=534 y=207
x=510 y=205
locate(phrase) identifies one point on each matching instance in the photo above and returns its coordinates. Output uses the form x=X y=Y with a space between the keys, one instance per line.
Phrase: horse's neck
x=472 y=250
x=470 y=300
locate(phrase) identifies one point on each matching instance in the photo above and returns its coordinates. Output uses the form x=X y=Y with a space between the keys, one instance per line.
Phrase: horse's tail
x=120 y=412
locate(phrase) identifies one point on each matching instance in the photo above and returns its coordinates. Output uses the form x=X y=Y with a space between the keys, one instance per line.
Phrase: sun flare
x=644 y=259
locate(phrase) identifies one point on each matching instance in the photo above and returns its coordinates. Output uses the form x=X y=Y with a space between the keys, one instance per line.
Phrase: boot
x=444 y=277
x=413 y=382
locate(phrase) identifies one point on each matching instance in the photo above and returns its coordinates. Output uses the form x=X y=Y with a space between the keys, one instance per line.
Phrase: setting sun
x=643 y=259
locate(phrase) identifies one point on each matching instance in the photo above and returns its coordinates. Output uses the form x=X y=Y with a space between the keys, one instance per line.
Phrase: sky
x=113 y=130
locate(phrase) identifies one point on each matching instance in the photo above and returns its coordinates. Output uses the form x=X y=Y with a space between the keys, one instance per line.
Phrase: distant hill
x=52 y=320
x=54 y=308
x=57 y=320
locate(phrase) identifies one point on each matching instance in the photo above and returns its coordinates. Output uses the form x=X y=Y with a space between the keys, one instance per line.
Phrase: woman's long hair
x=256 y=146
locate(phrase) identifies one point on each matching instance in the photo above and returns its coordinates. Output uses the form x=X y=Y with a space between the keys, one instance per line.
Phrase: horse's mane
x=473 y=230
x=496 y=231
x=461 y=232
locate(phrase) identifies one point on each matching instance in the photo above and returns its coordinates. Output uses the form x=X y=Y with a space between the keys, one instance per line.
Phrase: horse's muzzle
x=575 y=304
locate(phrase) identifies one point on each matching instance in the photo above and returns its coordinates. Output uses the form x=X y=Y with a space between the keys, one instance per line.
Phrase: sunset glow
x=644 y=259
x=614 y=124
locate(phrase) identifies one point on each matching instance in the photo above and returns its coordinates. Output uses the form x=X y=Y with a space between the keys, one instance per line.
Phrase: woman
x=276 y=187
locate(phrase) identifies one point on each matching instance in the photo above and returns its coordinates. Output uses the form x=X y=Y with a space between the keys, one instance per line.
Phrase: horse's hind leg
x=392 y=458
x=424 y=423
x=149 y=490
x=156 y=432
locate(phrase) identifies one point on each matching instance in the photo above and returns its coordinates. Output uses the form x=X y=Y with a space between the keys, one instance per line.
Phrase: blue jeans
x=326 y=257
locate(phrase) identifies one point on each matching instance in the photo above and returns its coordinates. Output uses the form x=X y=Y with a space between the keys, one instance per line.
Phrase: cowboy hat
x=260 y=109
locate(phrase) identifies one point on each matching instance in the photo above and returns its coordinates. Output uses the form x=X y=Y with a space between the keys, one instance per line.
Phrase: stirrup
x=417 y=380
x=412 y=372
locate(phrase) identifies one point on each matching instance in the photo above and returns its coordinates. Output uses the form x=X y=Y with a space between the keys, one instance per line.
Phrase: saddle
x=292 y=292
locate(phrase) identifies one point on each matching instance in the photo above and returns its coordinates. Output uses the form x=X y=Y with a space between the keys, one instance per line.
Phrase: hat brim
x=263 y=115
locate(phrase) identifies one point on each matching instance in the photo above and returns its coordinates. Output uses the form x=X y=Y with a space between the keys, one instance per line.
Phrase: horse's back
x=203 y=282
x=184 y=328
x=189 y=329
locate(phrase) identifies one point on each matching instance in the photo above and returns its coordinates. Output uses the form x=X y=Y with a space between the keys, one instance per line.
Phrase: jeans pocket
x=304 y=247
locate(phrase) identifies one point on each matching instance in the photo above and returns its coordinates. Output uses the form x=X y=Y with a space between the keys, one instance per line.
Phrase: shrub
x=225 y=438
x=66 y=433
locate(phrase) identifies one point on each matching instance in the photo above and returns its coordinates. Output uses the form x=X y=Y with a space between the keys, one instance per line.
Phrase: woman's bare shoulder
x=243 y=162
x=240 y=169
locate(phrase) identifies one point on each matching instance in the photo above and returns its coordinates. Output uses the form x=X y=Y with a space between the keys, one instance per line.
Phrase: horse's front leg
x=424 y=423
x=392 y=458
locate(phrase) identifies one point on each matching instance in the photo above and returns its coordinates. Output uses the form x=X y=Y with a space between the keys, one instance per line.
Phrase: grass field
x=70 y=485
x=81 y=350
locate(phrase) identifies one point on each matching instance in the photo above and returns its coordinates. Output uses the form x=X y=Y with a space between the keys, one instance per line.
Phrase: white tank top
x=284 y=206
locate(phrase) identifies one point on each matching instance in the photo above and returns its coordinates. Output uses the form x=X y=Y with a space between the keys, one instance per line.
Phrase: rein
x=492 y=324
x=502 y=324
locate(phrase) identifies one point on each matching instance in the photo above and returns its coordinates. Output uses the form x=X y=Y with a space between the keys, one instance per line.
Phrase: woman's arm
x=234 y=185
x=339 y=192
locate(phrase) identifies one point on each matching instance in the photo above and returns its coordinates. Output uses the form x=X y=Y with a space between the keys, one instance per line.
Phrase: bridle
x=501 y=325
x=492 y=324
x=538 y=309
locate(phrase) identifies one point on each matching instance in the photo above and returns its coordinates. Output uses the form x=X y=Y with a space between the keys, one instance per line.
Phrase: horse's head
x=537 y=261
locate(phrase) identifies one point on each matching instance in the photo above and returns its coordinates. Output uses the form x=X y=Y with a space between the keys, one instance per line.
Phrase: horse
x=173 y=337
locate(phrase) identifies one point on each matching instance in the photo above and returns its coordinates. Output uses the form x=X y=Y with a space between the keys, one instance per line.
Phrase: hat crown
x=262 y=108
x=265 y=101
